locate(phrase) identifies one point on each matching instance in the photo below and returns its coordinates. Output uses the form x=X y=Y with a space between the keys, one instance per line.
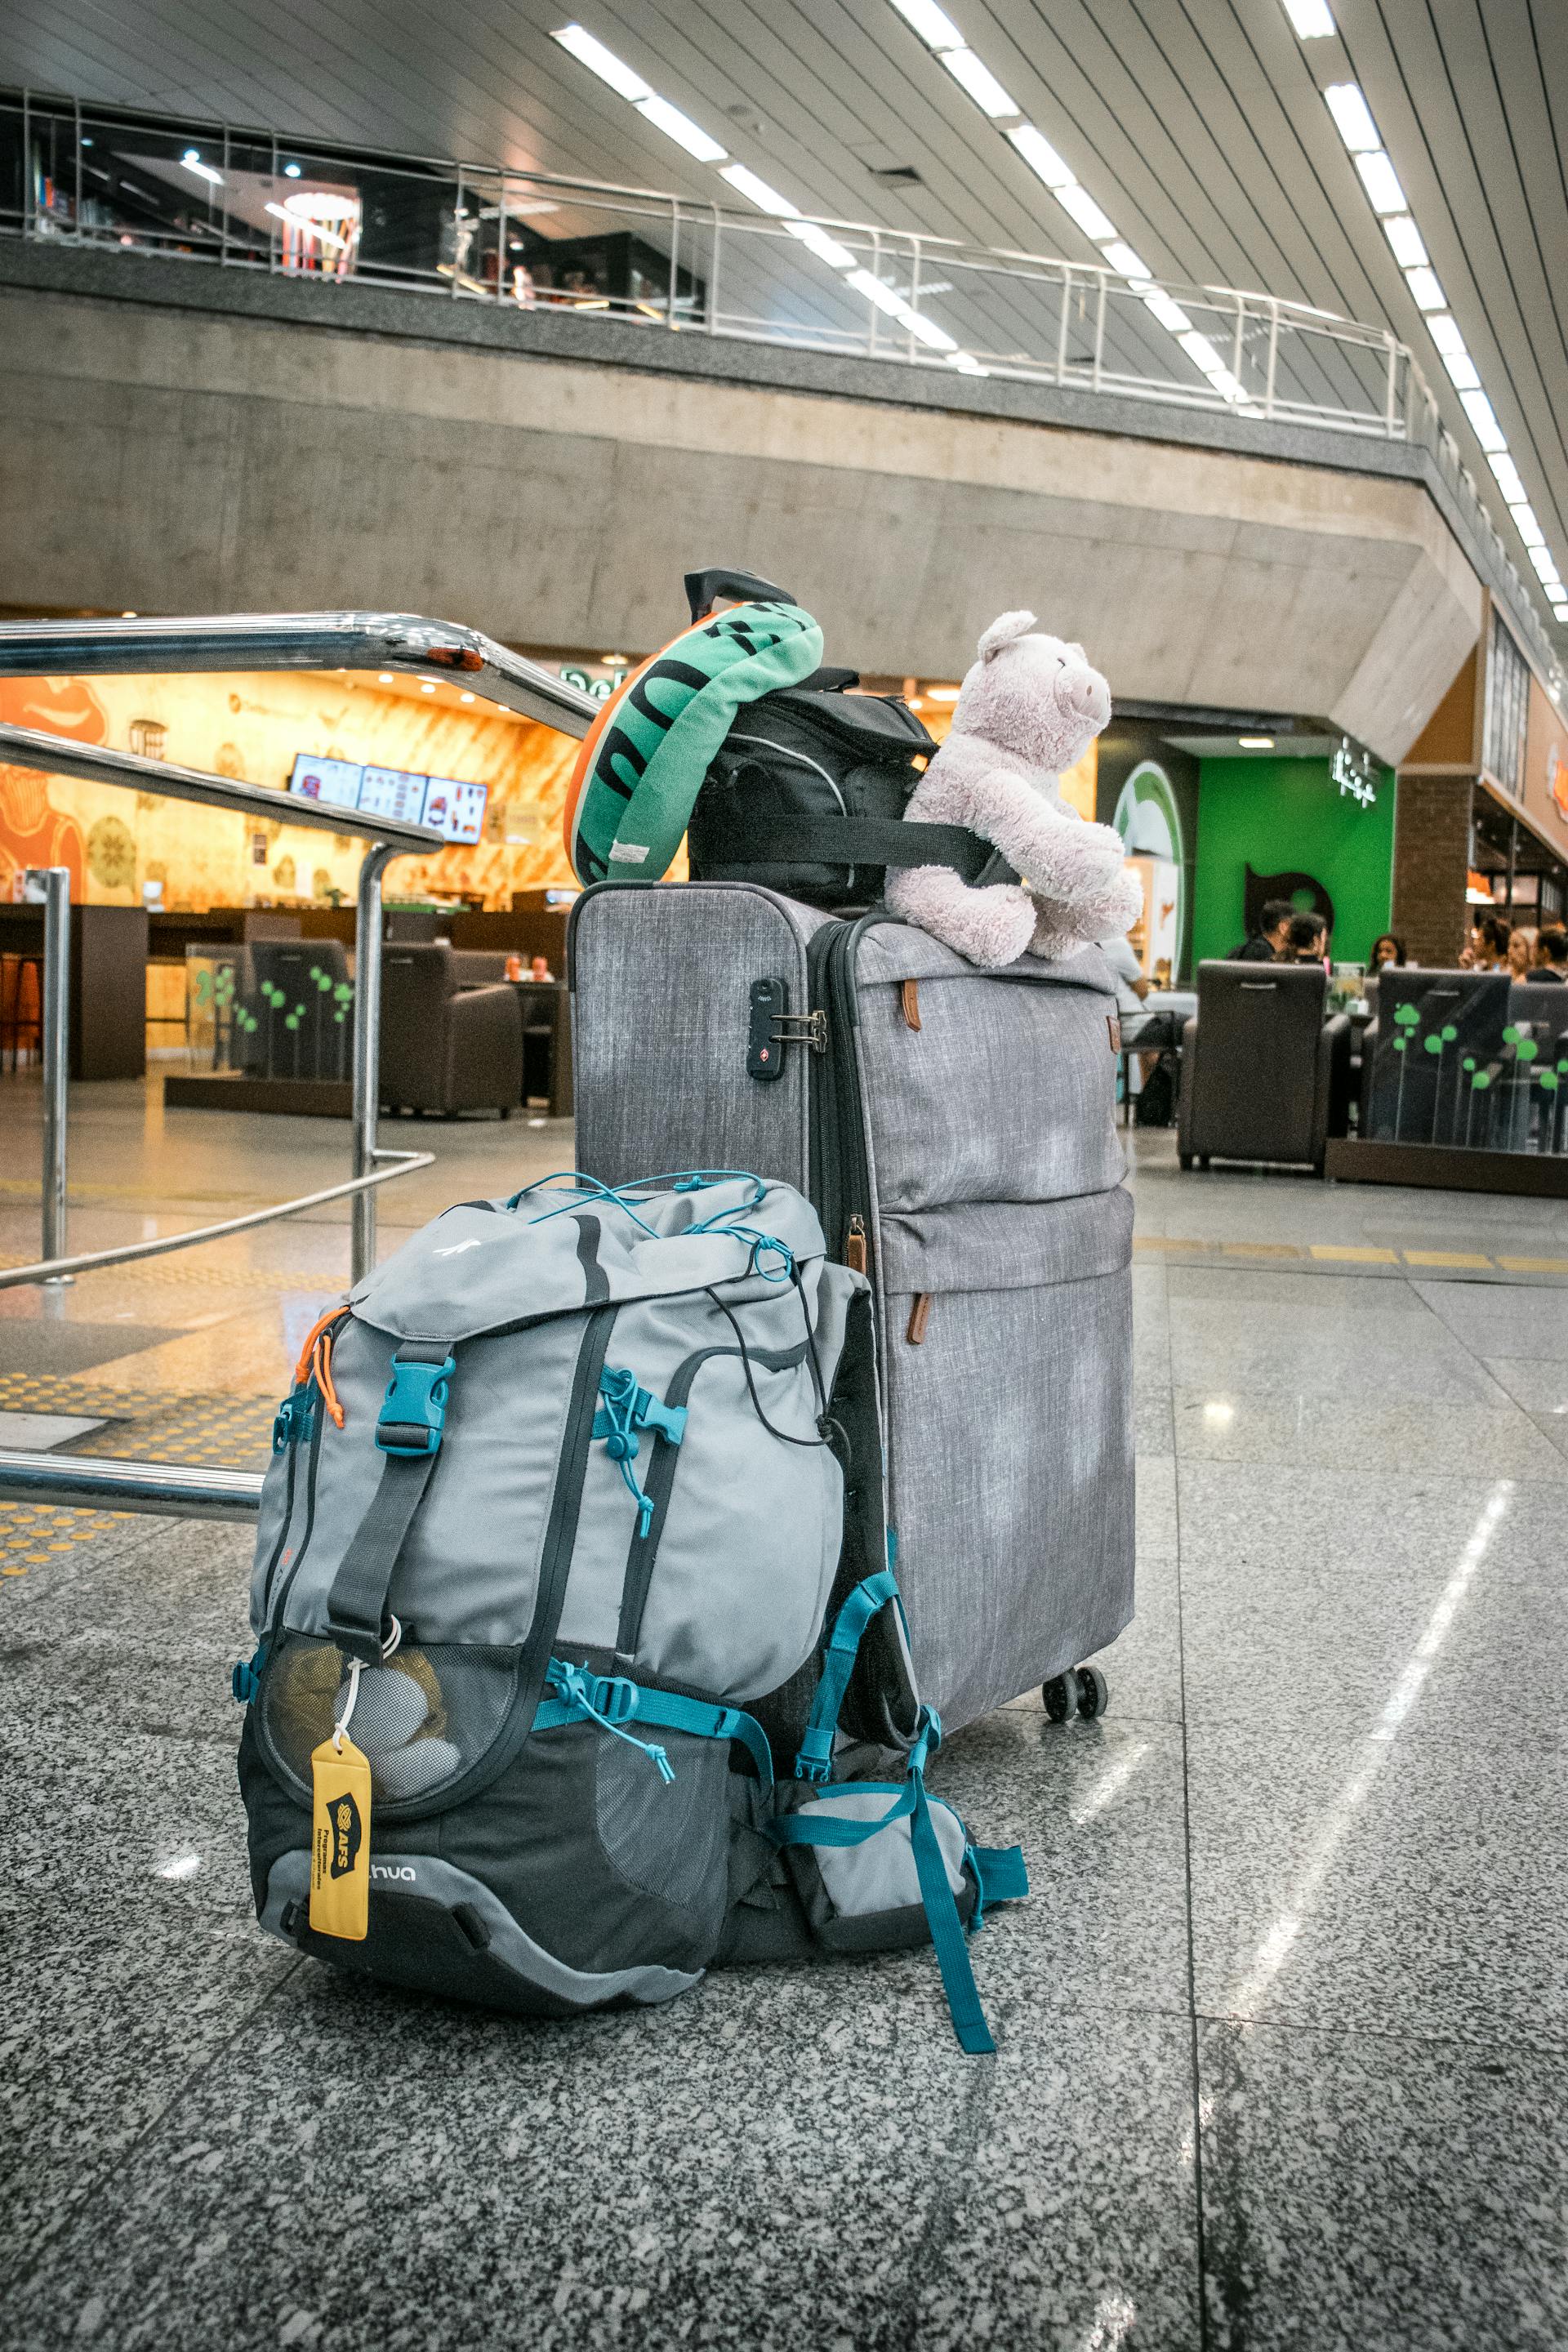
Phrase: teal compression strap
x=947 y=1934
x=614 y=1701
x=815 y=1760
x=409 y=1436
x=1001 y=1873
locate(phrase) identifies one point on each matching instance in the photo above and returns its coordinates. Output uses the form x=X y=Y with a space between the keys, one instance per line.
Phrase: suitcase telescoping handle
x=703 y=590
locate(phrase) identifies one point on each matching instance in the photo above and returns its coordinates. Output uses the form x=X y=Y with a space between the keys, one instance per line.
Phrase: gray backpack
x=573 y=1539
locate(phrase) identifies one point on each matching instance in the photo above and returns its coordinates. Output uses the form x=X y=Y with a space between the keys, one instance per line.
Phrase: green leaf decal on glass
x=1469 y=1061
x=1406 y=1016
x=1399 y=1043
x=1449 y=1034
x=1527 y=1049
x=1548 y=1080
x=1481 y=1080
x=1432 y=1045
x=1510 y=1035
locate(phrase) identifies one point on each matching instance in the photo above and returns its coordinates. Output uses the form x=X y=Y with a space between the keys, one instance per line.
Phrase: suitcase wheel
x=1093 y=1693
x=1082 y=1691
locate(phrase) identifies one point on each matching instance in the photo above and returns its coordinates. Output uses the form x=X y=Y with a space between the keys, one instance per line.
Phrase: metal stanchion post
x=367 y=1048
x=56 y=1035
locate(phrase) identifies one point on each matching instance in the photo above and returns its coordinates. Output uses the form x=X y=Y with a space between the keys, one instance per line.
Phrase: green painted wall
x=1276 y=815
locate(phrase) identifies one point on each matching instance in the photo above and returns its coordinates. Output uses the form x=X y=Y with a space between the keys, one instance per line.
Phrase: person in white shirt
x=1147 y=1031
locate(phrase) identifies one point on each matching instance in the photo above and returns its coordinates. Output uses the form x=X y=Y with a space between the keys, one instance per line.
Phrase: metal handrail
x=281 y=641
x=346 y=640
x=66 y=1269
x=176 y=1490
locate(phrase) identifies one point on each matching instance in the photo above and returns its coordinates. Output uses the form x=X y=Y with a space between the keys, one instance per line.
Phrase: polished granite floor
x=1282 y=2031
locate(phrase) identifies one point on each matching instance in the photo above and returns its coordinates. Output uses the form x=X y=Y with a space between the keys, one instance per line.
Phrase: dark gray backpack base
x=955 y=1131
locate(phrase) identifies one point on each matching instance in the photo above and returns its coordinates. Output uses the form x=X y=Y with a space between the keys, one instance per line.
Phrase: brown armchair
x=445 y=1047
x=1264 y=1076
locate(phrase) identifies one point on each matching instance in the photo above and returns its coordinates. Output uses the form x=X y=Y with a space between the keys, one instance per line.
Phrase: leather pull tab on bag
x=1114 y=1027
x=920 y=1316
x=909 y=994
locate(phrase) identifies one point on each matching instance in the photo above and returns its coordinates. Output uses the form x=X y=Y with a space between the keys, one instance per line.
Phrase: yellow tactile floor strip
x=226 y=1432
x=1348 y=1253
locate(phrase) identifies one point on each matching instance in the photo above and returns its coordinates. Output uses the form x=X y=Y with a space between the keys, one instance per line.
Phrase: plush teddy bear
x=1029 y=707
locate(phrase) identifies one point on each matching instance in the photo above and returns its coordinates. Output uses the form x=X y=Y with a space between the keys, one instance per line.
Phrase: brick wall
x=1431 y=854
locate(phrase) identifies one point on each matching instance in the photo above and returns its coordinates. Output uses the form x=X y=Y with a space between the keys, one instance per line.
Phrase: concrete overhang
x=209 y=440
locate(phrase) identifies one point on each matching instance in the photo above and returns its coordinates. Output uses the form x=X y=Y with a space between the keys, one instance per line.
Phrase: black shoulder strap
x=734 y=839
x=410 y=1435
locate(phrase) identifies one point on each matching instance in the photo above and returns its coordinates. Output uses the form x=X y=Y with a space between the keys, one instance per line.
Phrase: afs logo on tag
x=346 y=1831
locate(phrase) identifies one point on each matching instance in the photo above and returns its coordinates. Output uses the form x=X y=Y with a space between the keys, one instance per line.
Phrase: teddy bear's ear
x=1005 y=630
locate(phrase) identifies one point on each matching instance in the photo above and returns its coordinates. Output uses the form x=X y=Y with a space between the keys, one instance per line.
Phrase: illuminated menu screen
x=445 y=805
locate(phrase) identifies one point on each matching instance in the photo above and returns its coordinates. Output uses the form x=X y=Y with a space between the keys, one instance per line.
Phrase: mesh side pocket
x=667 y=1839
x=425 y=1720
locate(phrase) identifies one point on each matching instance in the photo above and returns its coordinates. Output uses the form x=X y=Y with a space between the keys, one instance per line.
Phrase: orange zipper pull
x=855 y=1246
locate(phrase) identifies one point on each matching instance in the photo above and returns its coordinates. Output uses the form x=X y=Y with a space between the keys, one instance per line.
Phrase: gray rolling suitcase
x=955 y=1129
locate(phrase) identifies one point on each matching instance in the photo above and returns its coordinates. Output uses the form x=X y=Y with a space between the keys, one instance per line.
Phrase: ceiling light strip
x=1357 y=127
x=934 y=27
x=947 y=44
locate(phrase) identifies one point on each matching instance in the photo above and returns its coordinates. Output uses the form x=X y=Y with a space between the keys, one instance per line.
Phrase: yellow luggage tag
x=340 y=1841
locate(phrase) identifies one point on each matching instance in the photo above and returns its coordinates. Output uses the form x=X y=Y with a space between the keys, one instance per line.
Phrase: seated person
x=1151 y=1030
x=1551 y=951
x=1488 y=950
x=1308 y=940
x=1521 y=953
x=1269 y=944
x=1387 y=950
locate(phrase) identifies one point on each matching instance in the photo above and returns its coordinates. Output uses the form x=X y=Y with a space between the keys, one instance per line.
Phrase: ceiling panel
x=1197 y=123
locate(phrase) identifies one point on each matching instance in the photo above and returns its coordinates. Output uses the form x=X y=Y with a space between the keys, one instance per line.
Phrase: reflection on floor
x=1282 y=2031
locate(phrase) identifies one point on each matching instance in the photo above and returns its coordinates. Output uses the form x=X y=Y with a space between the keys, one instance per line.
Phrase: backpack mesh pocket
x=670 y=1839
x=425 y=1720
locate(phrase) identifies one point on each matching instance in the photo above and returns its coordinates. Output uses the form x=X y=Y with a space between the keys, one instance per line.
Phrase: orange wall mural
x=252 y=727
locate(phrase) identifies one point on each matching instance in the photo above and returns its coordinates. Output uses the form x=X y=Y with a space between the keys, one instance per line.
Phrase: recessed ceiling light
x=1381 y=180
x=598 y=60
x=1353 y=117
x=973 y=74
x=1545 y=567
x=1444 y=333
x=826 y=248
x=290 y=171
x=966 y=364
x=465 y=698
x=383 y=677
x=944 y=693
x=935 y=28
x=1080 y=204
x=1171 y=315
x=926 y=330
x=426 y=687
x=1483 y=419
x=1040 y=156
x=875 y=291
x=1120 y=255
x=1405 y=238
x=757 y=192
x=1424 y=285
x=1462 y=371
x=1255 y=742
x=193 y=163
x=1526 y=525
x=1310 y=19
x=682 y=129
x=1507 y=478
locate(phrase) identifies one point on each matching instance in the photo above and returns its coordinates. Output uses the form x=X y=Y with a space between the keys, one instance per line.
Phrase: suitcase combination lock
x=773 y=1027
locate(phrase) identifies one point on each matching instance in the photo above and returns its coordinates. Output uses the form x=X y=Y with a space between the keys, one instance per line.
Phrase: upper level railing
x=110 y=178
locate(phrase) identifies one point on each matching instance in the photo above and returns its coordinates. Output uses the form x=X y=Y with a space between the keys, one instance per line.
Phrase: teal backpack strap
x=613 y=1701
x=948 y=1938
x=815 y=1760
x=1000 y=1878
x=410 y=1431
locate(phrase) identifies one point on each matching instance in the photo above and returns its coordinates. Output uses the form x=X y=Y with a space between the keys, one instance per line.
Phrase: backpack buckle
x=413 y=1413
x=292 y=1422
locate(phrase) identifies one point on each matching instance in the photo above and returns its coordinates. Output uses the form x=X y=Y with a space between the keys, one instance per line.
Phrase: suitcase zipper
x=272 y=1610
x=840 y=1176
